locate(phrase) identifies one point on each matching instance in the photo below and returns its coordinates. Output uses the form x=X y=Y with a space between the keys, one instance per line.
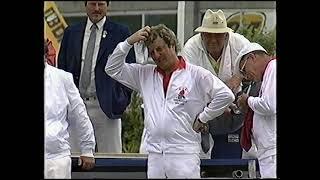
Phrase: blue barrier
x=140 y=165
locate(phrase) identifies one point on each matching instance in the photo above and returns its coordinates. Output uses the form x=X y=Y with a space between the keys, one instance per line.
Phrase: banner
x=54 y=25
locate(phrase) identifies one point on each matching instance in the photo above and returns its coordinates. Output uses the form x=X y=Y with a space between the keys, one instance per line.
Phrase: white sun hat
x=214 y=22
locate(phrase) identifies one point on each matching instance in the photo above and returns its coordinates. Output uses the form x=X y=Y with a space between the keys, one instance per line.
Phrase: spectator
x=216 y=48
x=85 y=48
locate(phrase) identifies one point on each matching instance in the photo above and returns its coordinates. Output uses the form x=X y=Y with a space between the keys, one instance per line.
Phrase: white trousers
x=173 y=165
x=107 y=131
x=208 y=154
x=252 y=153
x=268 y=167
x=57 y=168
x=143 y=142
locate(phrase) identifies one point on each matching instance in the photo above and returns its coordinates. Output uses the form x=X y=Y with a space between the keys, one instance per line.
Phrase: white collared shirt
x=87 y=32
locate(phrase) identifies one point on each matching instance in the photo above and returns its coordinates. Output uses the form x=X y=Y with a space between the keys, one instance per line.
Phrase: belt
x=90 y=98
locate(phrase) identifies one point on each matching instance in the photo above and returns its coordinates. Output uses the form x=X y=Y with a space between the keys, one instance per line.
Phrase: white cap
x=250 y=47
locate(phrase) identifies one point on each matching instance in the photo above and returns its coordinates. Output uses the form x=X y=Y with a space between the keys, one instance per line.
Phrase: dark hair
x=85 y=3
x=166 y=34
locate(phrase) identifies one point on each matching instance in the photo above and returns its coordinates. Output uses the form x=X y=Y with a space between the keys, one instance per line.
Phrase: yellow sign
x=250 y=20
x=54 y=24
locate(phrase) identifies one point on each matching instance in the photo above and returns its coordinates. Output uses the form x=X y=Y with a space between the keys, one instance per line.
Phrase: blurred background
x=180 y=16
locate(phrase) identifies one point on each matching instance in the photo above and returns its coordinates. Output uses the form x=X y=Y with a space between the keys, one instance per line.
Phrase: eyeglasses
x=242 y=70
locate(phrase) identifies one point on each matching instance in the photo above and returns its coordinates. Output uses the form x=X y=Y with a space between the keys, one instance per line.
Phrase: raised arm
x=118 y=69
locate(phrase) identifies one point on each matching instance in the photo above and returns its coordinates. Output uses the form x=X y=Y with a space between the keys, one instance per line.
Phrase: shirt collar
x=99 y=24
x=181 y=64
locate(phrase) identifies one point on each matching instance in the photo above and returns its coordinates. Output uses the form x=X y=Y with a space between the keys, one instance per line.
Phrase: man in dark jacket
x=84 y=51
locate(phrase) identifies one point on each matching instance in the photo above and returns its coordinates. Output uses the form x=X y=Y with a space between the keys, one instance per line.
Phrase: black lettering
x=51 y=17
x=58 y=32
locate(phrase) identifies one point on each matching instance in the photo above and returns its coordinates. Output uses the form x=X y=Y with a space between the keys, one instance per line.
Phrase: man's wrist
x=127 y=42
x=87 y=153
x=200 y=121
x=239 y=77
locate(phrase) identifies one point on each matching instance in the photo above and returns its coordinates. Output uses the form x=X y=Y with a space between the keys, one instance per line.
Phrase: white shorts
x=173 y=165
x=57 y=168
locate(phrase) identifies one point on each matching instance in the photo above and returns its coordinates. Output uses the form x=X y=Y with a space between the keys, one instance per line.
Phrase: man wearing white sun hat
x=216 y=48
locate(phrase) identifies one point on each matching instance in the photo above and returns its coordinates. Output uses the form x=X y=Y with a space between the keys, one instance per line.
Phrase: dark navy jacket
x=113 y=97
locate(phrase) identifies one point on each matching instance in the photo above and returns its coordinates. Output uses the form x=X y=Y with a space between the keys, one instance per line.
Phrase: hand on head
x=140 y=35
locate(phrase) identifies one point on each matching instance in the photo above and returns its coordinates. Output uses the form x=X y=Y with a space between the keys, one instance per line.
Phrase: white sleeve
x=78 y=117
x=239 y=42
x=125 y=73
x=266 y=104
x=141 y=52
x=219 y=94
x=190 y=53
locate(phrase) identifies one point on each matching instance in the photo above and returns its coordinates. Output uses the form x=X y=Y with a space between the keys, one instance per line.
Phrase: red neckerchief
x=246 y=133
x=51 y=54
x=181 y=64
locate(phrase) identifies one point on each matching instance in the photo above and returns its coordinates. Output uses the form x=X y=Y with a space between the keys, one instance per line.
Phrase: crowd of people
x=191 y=95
